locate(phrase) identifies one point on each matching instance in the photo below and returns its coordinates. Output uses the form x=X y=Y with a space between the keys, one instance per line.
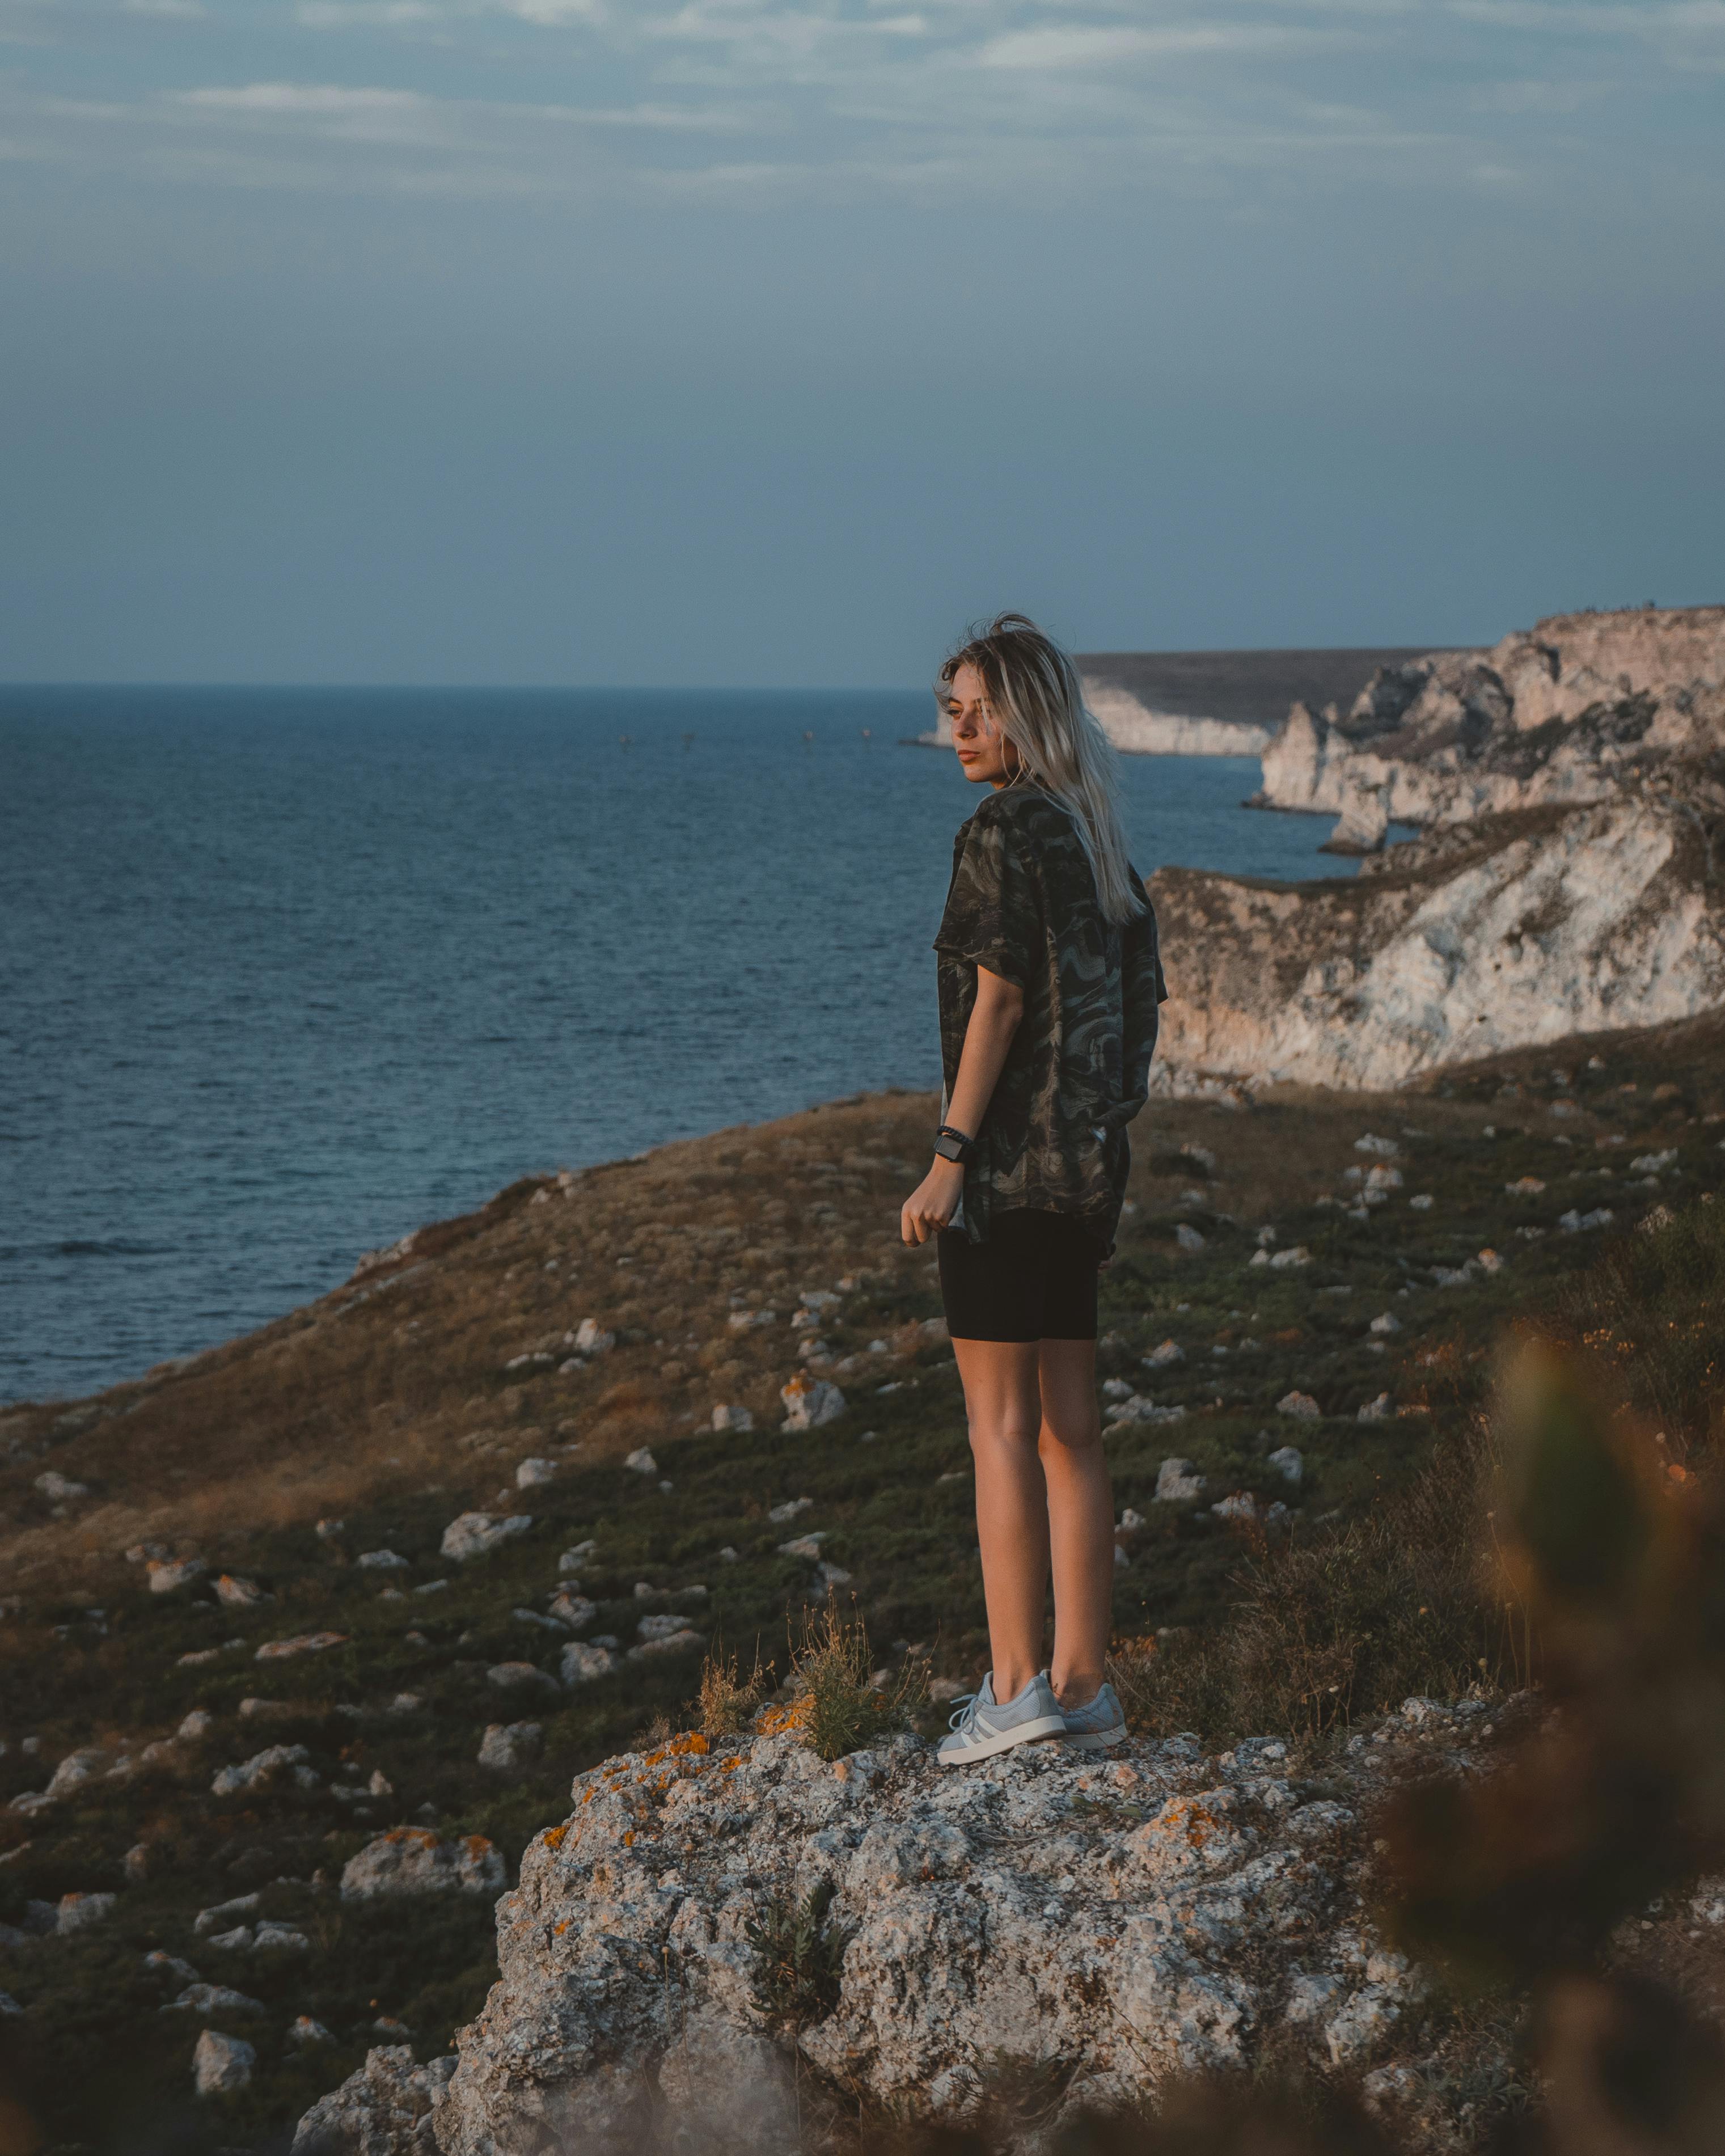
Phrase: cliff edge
x=1564 y=712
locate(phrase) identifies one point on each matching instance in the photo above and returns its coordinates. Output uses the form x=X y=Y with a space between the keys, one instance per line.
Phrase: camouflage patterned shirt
x=1022 y=903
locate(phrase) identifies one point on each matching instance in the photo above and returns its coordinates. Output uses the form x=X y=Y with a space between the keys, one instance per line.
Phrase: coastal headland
x=307 y=1637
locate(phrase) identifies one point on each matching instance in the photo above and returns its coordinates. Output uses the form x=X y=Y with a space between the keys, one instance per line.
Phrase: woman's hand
x=934 y=1201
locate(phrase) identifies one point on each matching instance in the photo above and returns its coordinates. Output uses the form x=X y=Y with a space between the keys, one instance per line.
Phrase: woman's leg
x=1003 y=1405
x=1080 y=1516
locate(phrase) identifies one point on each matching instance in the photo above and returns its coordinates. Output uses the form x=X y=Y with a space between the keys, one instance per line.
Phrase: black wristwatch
x=953 y=1145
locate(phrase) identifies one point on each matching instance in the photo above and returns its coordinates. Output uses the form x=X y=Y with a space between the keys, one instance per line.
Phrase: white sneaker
x=982 y=1726
x=1099 y=1727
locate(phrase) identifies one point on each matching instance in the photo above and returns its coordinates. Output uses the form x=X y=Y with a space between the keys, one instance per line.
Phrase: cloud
x=322 y=99
x=1057 y=45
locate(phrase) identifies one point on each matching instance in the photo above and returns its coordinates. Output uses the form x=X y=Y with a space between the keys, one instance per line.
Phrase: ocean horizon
x=285 y=972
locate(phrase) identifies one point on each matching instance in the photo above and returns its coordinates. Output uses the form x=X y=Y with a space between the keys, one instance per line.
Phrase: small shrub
x=727 y=1702
x=798 y=1957
x=844 y=1711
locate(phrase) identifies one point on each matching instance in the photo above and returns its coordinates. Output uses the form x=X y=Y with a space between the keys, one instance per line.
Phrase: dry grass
x=846 y=1711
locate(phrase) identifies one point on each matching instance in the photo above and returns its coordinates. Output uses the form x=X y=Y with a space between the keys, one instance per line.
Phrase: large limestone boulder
x=1159 y=1910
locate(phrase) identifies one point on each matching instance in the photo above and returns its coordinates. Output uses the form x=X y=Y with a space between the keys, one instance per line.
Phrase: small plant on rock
x=798 y=1956
x=727 y=1701
x=846 y=1709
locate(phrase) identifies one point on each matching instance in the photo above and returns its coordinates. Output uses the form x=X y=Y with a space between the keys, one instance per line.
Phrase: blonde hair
x=1034 y=694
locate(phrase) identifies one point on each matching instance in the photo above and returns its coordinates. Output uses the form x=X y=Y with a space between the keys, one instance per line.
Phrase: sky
x=768 y=341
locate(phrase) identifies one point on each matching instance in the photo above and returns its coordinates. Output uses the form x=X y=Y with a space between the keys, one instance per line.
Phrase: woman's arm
x=993 y=1020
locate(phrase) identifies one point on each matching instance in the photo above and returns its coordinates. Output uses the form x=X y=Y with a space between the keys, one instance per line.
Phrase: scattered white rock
x=1423 y=1203
x=166 y=1574
x=212 y=1998
x=1385 y=1148
x=1379 y=1410
x=590 y=1339
x=1188 y=1238
x=477 y=1534
x=239 y=1593
x=221 y=2064
x=327 y=1530
x=641 y=1462
x=301 y=1643
x=1525 y=1186
x=732 y=1417
x=584 y=1662
x=280 y=1938
x=1489 y=1261
x=1289 y=1463
x=210 y=1920
x=519 y=1677
x=80 y=1913
x=303 y=2030
x=1645 y=1164
x=1575 y=1222
x=507 y=1746
x=572 y=1560
x=1179 y=1482
x=574 y=1610
x=411 y=1860
x=531 y=1474
x=1385 y=1322
x=59 y=1489
x=1301 y=1406
x=261 y=1768
x=659 y=1628
x=382 y=1560
x=1136 y=1408
x=810 y=1402
x=1160 y=1358
x=682 y=1641
x=74 y=1770
x=790 y=1510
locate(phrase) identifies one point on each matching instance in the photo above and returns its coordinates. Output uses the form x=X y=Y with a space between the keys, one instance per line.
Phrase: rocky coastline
x=1570 y=786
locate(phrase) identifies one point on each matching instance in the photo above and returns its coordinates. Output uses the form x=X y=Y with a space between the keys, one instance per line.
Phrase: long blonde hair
x=1037 y=700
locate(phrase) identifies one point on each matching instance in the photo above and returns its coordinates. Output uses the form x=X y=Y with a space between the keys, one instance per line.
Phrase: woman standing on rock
x=1049 y=982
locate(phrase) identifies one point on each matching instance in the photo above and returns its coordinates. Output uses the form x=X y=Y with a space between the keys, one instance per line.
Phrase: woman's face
x=984 y=752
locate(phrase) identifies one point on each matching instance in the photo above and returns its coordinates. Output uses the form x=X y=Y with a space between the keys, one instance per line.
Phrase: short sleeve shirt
x=1022 y=903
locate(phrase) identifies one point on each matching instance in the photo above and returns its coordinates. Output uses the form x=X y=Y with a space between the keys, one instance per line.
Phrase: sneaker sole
x=985 y=1747
x=1096 y=1740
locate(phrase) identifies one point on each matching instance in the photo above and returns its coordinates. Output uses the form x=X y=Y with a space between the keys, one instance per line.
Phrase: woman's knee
x=995 y=1436
x=1070 y=1437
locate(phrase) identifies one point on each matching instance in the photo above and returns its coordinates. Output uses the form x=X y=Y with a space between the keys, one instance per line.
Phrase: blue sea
x=284 y=973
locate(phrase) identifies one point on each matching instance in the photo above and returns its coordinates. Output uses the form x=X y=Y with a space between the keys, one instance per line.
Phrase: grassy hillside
x=391 y=1407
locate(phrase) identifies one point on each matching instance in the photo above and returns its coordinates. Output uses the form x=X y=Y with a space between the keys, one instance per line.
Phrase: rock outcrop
x=1509 y=931
x=1155 y=1912
x=1564 y=712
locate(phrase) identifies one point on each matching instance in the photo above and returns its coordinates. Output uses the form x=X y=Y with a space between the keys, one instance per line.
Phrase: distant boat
x=807 y=733
x=868 y=733
x=623 y=740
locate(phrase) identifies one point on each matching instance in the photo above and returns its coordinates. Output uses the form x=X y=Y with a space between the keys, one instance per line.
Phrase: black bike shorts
x=1035 y=1279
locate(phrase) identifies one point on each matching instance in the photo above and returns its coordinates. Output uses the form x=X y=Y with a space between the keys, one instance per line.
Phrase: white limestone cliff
x=1564 y=712
x=1507 y=932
